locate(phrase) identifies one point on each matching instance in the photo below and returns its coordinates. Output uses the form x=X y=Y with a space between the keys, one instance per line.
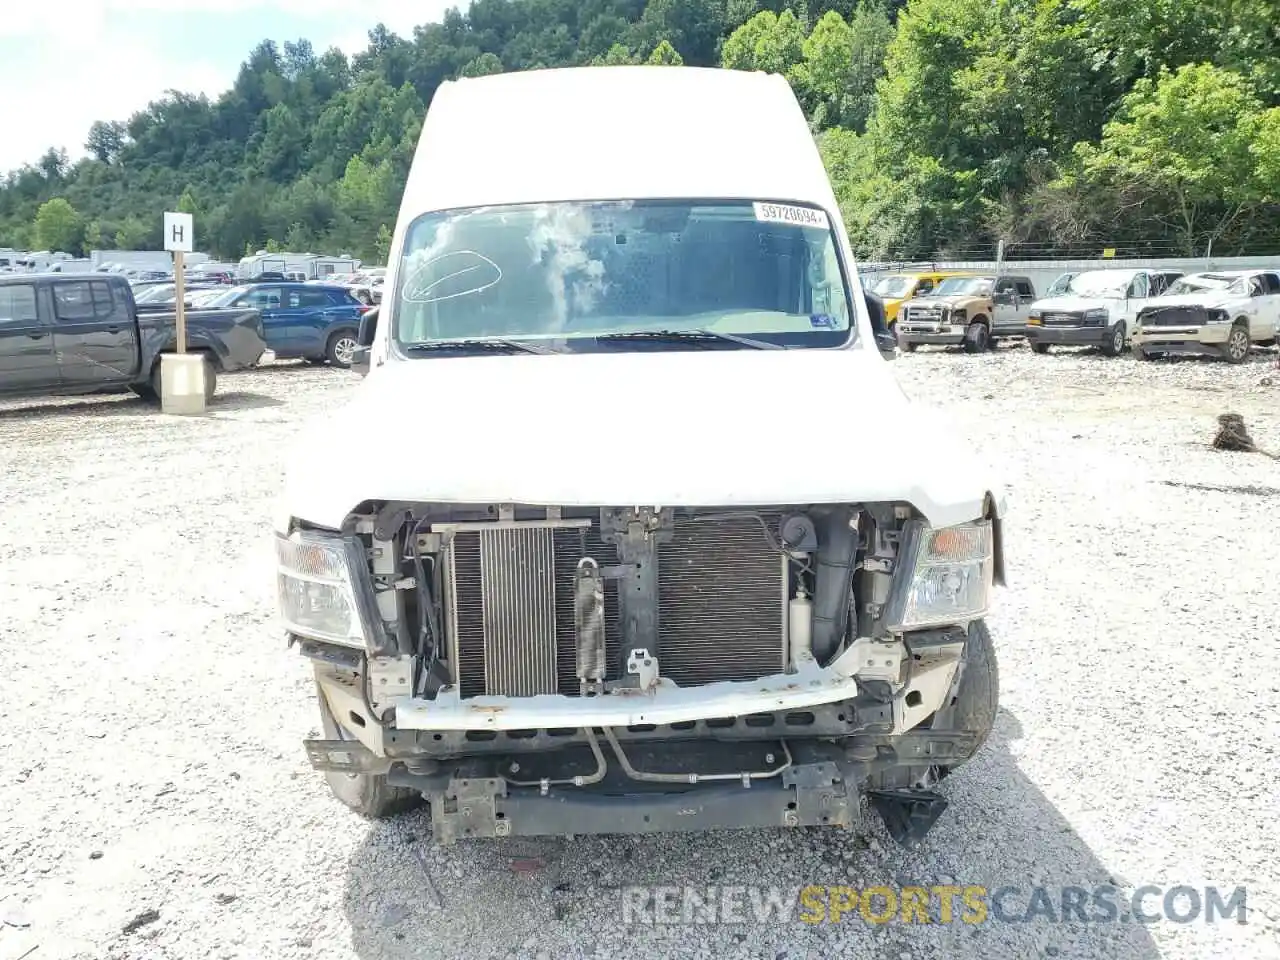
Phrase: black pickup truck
x=71 y=334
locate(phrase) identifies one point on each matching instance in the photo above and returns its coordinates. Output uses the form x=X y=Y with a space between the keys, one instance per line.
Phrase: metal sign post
x=182 y=375
x=180 y=298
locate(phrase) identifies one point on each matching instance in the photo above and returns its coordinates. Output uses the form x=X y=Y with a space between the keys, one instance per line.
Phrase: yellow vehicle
x=895 y=289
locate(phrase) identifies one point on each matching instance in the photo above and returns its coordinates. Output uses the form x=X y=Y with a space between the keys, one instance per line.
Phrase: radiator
x=510 y=604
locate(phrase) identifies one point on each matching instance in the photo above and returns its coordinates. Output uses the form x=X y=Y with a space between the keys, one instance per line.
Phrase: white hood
x=1210 y=298
x=1073 y=303
x=687 y=428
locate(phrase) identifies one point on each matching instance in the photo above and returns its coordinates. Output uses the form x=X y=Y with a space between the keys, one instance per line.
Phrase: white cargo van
x=595 y=557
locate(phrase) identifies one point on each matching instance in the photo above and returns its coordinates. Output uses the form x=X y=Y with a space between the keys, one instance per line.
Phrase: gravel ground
x=155 y=800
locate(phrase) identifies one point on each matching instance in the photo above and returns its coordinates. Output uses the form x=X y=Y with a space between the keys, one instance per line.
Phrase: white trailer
x=124 y=261
x=70 y=266
x=299 y=266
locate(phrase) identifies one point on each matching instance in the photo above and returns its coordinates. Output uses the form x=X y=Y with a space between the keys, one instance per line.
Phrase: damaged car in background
x=1223 y=314
x=607 y=552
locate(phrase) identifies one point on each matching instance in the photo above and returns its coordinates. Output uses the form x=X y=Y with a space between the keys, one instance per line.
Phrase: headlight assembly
x=943 y=576
x=1098 y=313
x=1218 y=316
x=323 y=594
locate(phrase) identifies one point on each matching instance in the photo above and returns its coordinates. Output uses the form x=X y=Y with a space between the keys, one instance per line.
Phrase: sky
x=67 y=63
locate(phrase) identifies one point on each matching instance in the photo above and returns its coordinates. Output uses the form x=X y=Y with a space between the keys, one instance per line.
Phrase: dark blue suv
x=309 y=321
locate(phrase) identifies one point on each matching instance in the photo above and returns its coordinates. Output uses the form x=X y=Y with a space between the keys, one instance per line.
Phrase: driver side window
x=1138 y=287
x=923 y=287
x=260 y=299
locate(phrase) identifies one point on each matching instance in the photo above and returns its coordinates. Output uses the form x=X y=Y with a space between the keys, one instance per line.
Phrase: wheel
x=976 y=698
x=1237 y=348
x=341 y=348
x=972 y=708
x=1037 y=347
x=1115 y=343
x=367 y=794
x=976 y=337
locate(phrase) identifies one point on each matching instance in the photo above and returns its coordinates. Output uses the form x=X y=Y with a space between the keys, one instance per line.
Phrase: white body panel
x=715 y=427
x=484 y=430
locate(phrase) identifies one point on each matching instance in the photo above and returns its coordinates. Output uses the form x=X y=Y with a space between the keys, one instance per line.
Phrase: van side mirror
x=364 y=341
x=368 y=327
x=887 y=344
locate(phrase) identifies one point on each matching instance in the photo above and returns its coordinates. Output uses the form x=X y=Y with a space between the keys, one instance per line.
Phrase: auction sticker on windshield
x=781 y=213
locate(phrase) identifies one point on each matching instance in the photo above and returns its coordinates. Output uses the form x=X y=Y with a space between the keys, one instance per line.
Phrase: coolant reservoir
x=800 y=628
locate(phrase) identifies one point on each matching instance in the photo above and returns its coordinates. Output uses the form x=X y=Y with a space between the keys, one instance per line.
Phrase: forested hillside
x=1059 y=126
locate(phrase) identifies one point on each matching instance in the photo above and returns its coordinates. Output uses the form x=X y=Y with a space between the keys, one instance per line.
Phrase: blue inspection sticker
x=823 y=321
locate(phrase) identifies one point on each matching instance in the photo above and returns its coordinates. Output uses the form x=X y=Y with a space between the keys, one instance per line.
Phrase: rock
x=141 y=920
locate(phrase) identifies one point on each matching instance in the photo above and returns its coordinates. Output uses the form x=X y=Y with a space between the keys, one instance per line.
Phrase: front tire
x=1238 y=344
x=367 y=794
x=1037 y=347
x=977 y=338
x=975 y=699
x=1115 y=343
x=972 y=705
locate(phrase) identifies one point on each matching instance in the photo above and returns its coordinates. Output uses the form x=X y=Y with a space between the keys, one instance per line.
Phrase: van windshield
x=576 y=272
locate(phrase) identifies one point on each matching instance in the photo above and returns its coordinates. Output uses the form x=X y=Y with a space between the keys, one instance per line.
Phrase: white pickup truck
x=618 y=540
x=1220 y=313
x=1099 y=308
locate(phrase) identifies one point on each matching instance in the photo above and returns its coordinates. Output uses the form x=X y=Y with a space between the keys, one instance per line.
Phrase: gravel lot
x=150 y=756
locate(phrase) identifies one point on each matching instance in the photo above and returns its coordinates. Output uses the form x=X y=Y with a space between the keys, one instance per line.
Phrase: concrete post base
x=182 y=383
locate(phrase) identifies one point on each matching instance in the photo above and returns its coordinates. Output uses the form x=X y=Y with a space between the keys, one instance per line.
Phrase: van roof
x=614 y=133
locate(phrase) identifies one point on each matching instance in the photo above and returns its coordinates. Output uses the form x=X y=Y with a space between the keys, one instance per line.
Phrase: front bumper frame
x=810 y=685
x=808 y=795
x=1207 y=340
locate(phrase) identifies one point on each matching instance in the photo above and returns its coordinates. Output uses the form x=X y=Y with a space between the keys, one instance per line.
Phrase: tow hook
x=908 y=814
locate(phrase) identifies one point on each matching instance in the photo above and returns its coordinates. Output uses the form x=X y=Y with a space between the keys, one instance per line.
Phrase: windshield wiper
x=492 y=345
x=691 y=336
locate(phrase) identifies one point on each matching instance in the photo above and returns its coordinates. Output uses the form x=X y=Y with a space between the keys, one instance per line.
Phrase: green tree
x=187 y=203
x=618 y=55
x=1188 y=139
x=482 y=66
x=58 y=226
x=281 y=144
x=106 y=140
x=768 y=41
x=298 y=238
x=842 y=63
x=664 y=54
x=93 y=236
x=382 y=244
